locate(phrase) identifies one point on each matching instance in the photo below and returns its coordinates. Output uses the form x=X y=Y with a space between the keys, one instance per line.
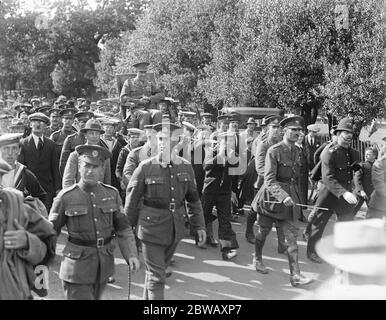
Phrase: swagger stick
x=299 y=205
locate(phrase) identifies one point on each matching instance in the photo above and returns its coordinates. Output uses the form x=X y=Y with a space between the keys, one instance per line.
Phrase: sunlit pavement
x=200 y=274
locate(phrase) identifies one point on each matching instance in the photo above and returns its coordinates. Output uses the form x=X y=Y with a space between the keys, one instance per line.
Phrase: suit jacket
x=44 y=164
x=310 y=150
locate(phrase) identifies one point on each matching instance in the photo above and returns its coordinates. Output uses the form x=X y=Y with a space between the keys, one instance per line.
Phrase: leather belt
x=172 y=206
x=290 y=180
x=100 y=242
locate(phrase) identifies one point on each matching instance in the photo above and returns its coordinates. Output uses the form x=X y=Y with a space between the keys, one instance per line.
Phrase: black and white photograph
x=209 y=152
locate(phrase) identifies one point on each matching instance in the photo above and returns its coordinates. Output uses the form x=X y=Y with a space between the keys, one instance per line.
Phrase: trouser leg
x=251 y=218
x=319 y=223
x=156 y=259
x=77 y=291
x=264 y=228
x=291 y=232
x=227 y=236
x=281 y=245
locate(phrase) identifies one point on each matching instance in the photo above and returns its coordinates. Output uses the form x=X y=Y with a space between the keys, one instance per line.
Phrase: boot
x=314 y=258
x=228 y=254
x=281 y=247
x=249 y=235
x=296 y=278
x=258 y=260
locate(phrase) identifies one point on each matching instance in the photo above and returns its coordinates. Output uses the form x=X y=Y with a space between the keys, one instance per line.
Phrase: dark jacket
x=44 y=164
x=117 y=147
x=310 y=150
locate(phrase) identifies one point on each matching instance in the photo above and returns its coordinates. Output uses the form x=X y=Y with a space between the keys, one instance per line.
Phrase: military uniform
x=337 y=177
x=58 y=137
x=282 y=171
x=134 y=90
x=94 y=216
x=50 y=130
x=163 y=188
x=69 y=145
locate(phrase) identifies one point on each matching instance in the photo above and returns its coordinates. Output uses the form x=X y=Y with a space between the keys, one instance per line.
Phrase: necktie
x=40 y=144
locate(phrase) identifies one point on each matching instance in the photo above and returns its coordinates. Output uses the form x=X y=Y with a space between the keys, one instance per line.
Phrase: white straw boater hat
x=357 y=247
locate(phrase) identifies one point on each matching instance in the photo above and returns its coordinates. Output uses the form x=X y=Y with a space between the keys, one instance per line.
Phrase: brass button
x=173 y=199
x=95 y=219
x=172 y=176
x=153 y=181
x=94 y=205
x=172 y=188
x=97 y=232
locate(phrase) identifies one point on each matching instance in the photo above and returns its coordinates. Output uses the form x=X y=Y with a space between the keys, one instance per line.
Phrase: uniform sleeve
x=378 y=176
x=130 y=165
x=270 y=176
x=134 y=194
x=21 y=157
x=260 y=159
x=66 y=150
x=120 y=164
x=36 y=250
x=194 y=207
x=107 y=175
x=69 y=174
x=57 y=216
x=328 y=174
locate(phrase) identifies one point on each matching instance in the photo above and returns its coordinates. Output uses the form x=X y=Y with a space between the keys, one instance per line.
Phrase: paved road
x=201 y=274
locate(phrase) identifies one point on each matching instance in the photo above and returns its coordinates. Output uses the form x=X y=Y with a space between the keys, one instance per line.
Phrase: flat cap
x=10 y=138
x=43 y=109
x=109 y=121
x=313 y=127
x=294 y=122
x=35 y=100
x=135 y=131
x=93 y=154
x=27 y=112
x=39 y=116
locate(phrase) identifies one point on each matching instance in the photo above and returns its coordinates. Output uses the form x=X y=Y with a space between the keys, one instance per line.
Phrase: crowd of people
x=141 y=175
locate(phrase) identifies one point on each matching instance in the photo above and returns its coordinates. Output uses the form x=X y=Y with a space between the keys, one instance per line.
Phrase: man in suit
x=311 y=143
x=38 y=154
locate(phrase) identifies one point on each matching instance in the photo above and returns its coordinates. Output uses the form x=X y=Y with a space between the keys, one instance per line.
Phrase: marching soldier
x=75 y=139
x=59 y=136
x=278 y=196
x=93 y=214
x=141 y=92
x=273 y=136
x=338 y=164
x=164 y=182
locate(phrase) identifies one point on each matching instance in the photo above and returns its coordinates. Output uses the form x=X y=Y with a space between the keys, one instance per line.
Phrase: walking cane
x=129 y=280
x=300 y=205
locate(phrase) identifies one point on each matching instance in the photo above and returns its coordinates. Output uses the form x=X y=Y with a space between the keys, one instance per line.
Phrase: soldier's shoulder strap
x=67 y=190
x=333 y=147
x=108 y=186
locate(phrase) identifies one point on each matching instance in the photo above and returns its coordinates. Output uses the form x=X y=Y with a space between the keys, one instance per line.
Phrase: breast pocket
x=285 y=169
x=77 y=218
x=155 y=185
x=183 y=177
x=108 y=208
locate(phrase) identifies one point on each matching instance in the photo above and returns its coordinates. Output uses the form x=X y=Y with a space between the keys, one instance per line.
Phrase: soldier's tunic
x=93 y=216
x=133 y=90
x=69 y=145
x=164 y=189
x=58 y=137
x=282 y=171
x=50 y=130
x=337 y=177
